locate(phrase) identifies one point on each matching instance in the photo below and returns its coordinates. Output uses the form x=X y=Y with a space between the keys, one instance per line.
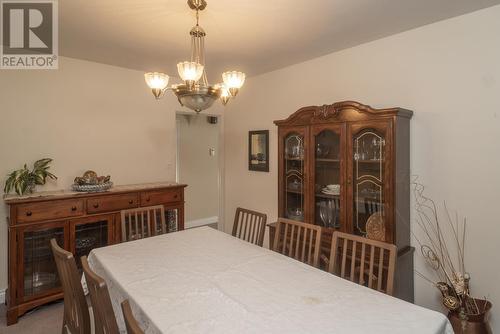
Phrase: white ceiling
x=254 y=36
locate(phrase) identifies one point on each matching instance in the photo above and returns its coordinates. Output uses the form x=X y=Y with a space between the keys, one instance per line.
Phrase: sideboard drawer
x=112 y=203
x=159 y=197
x=40 y=211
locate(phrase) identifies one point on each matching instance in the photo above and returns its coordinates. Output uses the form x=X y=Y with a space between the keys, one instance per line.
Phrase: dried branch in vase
x=442 y=245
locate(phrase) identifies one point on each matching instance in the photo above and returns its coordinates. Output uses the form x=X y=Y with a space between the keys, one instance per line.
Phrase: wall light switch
x=211 y=152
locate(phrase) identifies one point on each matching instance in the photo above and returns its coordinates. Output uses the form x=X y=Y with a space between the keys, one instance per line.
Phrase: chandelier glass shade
x=190 y=70
x=233 y=81
x=195 y=92
x=224 y=94
x=158 y=82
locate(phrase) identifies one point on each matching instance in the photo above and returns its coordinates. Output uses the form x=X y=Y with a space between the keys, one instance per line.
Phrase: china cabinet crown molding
x=340 y=111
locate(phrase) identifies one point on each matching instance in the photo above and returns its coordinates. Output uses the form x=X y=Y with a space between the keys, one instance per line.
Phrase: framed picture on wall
x=258 y=150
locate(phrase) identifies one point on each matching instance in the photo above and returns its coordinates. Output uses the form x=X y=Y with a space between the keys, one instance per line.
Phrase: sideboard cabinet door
x=38 y=272
x=89 y=233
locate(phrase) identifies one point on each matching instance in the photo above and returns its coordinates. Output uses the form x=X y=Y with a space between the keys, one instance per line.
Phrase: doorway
x=198 y=166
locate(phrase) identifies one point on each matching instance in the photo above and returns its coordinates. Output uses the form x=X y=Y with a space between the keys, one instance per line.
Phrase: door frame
x=221 y=223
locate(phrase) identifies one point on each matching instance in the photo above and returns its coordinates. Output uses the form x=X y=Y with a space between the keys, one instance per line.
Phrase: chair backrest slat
x=353 y=260
x=303 y=253
x=346 y=252
x=254 y=223
x=104 y=316
x=380 y=268
x=290 y=243
x=130 y=322
x=76 y=311
x=372 y=258
x=143 y=222
x=344 y=258
x=249 y=226
x=362 y=264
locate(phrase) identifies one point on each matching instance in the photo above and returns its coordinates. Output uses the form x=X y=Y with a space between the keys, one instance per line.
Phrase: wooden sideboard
x=80 y=222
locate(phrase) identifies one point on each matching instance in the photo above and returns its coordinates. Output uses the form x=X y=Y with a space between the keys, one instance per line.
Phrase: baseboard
x=201 y=222
x=2 y=296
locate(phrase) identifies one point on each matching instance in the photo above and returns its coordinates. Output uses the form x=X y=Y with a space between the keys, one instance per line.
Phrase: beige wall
x=84 y=116
x=197 y=168
x=449 y=74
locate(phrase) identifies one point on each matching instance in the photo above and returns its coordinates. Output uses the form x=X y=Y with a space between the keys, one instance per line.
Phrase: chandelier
x=196 y=93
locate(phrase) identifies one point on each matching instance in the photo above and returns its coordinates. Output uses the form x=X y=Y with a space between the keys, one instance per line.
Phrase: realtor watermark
x=29 y=34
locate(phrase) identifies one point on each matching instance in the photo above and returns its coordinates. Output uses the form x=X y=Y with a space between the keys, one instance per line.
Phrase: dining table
x=202 y=280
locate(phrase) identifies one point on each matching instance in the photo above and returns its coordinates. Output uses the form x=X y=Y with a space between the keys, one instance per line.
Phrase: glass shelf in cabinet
x=370 y=161
x=327 y=160
x=327 y=195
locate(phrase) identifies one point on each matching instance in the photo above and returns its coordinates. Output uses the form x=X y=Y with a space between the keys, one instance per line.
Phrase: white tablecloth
x=204 y=281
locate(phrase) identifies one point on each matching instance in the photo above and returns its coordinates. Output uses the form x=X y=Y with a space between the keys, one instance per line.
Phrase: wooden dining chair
x=104 y=316
x=250 y=226
x=298 y=240
x=76 y=318
x=143 y=222
x=364 y=261
x=130 y=322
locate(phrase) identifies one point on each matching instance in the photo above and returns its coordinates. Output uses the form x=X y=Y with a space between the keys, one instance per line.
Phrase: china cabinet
x=346 y=167
x=80 y=222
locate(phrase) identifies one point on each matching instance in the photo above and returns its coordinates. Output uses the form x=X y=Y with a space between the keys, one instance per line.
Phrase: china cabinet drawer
x=112 y=203
x=40 y=211
x=160 y=197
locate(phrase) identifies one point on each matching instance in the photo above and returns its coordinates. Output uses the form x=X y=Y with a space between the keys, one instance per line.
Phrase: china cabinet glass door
x=328 y=176
x=294 y=176
x=39 y=268
x=369 y=182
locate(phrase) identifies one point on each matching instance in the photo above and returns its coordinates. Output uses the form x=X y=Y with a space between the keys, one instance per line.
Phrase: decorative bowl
x=92 y=188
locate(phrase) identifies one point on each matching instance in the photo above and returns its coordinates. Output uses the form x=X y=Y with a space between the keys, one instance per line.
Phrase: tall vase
x=474 y=324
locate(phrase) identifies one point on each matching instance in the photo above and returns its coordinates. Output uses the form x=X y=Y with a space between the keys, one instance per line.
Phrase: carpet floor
x=46 y=319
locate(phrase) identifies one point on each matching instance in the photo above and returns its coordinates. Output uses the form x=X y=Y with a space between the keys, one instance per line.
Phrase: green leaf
x=52 y=176
x=9 y=183
x=19 y=186
x=42 y=163
x=39 y=179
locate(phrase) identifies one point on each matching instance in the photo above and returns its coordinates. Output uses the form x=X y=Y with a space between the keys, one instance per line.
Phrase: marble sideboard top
x=54 y=194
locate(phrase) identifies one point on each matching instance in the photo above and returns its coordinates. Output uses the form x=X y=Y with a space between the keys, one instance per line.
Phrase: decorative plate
x=92 y=188
x=375 y=227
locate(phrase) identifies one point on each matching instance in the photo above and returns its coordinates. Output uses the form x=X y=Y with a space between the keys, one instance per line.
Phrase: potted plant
x=23 y=181
x=443 y=248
